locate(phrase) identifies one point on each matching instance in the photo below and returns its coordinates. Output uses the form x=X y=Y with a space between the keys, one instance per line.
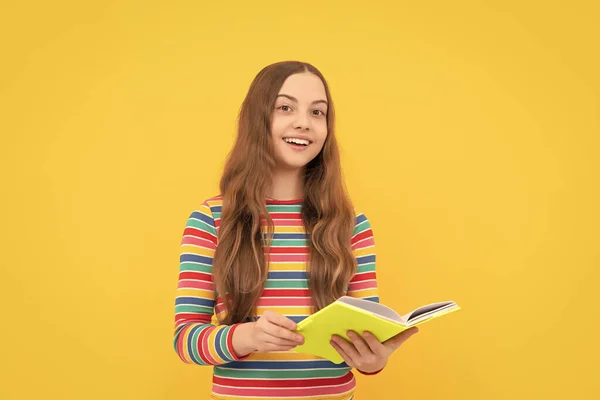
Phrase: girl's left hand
x=366 y=353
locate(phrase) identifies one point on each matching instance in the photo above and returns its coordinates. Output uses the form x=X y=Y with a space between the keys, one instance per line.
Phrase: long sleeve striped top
x=200 y=340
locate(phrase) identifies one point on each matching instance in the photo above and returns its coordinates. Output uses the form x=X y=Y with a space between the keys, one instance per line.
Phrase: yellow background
x=470 y=138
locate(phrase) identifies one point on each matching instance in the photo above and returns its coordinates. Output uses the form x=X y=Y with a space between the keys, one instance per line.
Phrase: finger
x=360 y=345
x=343 y=354
x=274 y=347
x=279 y=340
x=374 y=344
x=280 y=320
x=282 y=333
x=348 y=348
x=400 y=338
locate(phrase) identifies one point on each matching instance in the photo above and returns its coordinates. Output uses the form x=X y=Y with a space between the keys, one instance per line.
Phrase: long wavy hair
x=239 y=267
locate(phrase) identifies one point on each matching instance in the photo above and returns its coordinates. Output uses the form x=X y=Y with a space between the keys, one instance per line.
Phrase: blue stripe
x=287 y=275
x=291 y=236
x=195 y=301
x=216 y=209
x=275 y=365
x=366 y=259
x=203 y=217
x=195 y=258
x=360 y=218
x=218 y=344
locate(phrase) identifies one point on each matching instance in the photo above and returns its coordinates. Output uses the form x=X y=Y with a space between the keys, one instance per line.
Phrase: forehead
x=304 y=86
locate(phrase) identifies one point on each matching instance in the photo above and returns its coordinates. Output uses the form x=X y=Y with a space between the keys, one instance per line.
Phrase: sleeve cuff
x=370 y=373
x=234 y=355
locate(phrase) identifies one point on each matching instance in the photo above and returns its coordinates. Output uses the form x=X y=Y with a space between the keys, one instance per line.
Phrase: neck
x=287 y=184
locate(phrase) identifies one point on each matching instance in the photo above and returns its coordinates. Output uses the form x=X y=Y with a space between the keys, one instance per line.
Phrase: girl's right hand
x=274 y=332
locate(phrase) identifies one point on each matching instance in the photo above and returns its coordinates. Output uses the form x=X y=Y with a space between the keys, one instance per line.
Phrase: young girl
x=279 y=242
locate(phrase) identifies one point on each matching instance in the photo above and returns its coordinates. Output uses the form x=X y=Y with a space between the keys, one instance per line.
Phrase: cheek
x=321 y=133
x=278 y=126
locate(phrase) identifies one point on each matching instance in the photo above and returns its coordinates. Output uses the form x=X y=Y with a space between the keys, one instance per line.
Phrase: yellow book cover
x=350 y=313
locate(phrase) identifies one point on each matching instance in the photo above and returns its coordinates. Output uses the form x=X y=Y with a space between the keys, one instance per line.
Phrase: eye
x=284 y=108
x=318 y=113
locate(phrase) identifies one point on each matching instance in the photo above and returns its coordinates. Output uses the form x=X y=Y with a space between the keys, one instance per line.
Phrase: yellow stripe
x=286 y=310
x=211 y=348
x=367 y=251
x=205 y=294
x=364 y=293
x=206 y=209
x=289 y=229
x=186 y=354
x=192 y=249
x=280 y=356
x=275 y=266
x=212 y=203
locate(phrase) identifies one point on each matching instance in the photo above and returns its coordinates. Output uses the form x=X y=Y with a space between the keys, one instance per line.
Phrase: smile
x=297 y=141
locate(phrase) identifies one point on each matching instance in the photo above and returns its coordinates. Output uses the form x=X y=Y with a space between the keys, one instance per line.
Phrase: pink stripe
x=284 y=302
x=287 y=222
x=284 y=392
x=193 y=284
x=288 y=257
x=365 y=243
x=362 y=285
x=193 y=240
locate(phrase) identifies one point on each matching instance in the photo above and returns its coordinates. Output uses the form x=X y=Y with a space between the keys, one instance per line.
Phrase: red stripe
x=180 y=342
x=194 y=318
x=363 y=277
x=203 y=333
x=282 y=383
x=201 y=234
x=198 y=276
x=276 y=215
x=230 y=344
x=286 y=293
x=361 y=236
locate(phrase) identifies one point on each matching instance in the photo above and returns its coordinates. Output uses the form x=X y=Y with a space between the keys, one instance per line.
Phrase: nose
x=301 y=122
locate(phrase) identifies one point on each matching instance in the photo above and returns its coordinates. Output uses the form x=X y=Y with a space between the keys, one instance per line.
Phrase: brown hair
x=239 y=265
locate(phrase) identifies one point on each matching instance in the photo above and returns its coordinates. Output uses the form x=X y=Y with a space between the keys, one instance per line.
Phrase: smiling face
x=299 y=121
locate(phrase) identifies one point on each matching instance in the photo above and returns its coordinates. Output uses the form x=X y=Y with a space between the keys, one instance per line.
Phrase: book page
x=372 y=307
x=428 y=310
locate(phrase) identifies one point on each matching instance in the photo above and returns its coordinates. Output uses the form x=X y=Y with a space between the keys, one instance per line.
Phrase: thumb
x=400 y=338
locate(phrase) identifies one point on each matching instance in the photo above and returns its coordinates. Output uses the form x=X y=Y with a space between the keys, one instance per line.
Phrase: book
x=350 y=313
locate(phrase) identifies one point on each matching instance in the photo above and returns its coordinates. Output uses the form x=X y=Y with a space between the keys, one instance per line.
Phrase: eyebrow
x=296 y=100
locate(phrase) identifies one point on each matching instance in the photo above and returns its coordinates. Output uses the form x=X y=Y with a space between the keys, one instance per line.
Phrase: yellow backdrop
x=470 y=138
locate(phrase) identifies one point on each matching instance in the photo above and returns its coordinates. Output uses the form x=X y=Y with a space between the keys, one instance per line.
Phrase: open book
x=350 y=313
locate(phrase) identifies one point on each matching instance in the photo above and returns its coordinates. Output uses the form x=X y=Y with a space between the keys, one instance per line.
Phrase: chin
x=291 y=165
x=288 y=163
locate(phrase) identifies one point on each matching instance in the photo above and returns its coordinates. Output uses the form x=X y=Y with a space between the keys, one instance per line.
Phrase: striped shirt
x=200 y=339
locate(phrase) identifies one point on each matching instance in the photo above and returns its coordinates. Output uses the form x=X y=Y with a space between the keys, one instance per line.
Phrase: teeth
x=297 y=141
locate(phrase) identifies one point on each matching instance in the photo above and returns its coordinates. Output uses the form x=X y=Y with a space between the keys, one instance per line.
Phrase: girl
x=278 y=243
